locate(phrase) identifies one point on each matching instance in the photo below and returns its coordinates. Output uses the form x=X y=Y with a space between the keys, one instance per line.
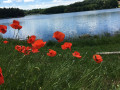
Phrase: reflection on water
x=72 y=24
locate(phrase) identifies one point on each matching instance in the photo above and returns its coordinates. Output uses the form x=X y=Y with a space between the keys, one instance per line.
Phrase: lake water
x=72 y=24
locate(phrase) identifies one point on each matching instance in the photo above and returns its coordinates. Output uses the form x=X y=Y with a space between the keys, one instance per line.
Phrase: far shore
x=58 y=13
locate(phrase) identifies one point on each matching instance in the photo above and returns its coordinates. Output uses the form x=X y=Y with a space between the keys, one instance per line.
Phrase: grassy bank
x=62 y=72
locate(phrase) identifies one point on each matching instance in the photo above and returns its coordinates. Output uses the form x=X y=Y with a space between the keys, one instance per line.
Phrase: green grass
x=119 y=6
x=62 y=72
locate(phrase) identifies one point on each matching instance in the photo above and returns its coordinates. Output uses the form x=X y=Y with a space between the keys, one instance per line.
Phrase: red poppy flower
x=15 y=21
x=66 y=45
x=97 y=58
x=23 y=49
x=34 y=50
x=51 y=53
x=38 y=44
x=1 y=77
x=26 y=50
x=31 y=39
x=18 y=48
x=59 y=36
x=16 y=25
x=3 y=29
x=5 y=42
x=77 y=54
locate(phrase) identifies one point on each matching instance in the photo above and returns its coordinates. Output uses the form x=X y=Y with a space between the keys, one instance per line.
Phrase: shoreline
x=59 y=13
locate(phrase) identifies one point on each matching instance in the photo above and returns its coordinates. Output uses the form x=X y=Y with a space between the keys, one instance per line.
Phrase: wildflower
x=5 y=42
x=34 y=50
x=16 y=25
x=38 y=44
x=15 y=21
x=59 y=36
x=3 y=29
x=31 y=39
x=18 y=48
x=77 y=54
x=1 y=77
x=66 y=45
x=26 y=50
x=51 y=53
x=97 y=58
x=23 y=49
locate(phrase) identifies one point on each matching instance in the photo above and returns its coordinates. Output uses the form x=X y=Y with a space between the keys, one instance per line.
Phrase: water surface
x=72 y=24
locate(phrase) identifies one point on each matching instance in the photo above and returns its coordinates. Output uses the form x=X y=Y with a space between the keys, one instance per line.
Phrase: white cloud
x=66 y=1
x=51 y=4
x=28 y=0
x=45 y=4
x=10 y=1
x=18 y=0
x=7 y=1
x=57 y=0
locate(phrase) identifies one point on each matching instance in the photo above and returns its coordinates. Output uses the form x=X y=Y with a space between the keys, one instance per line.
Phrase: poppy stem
x=22 y=57
x=17 y=35
x=14 y=34
x=55 y=44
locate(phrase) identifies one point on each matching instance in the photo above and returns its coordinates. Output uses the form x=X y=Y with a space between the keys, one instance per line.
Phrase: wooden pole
x=116 y=52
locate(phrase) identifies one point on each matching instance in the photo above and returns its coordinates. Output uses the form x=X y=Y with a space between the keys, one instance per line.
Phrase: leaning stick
x=116 y=52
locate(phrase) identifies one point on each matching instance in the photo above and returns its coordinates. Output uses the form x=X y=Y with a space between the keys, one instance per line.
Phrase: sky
x=33 y=4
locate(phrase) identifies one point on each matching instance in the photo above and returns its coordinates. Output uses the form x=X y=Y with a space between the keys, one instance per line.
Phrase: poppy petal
x=59 y=36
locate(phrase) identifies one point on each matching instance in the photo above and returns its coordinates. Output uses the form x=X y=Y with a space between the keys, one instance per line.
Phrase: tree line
x=86 y=5
x=11 y=12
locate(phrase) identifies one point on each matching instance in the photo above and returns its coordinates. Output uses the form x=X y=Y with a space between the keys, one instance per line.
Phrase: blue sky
x=32 y=4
